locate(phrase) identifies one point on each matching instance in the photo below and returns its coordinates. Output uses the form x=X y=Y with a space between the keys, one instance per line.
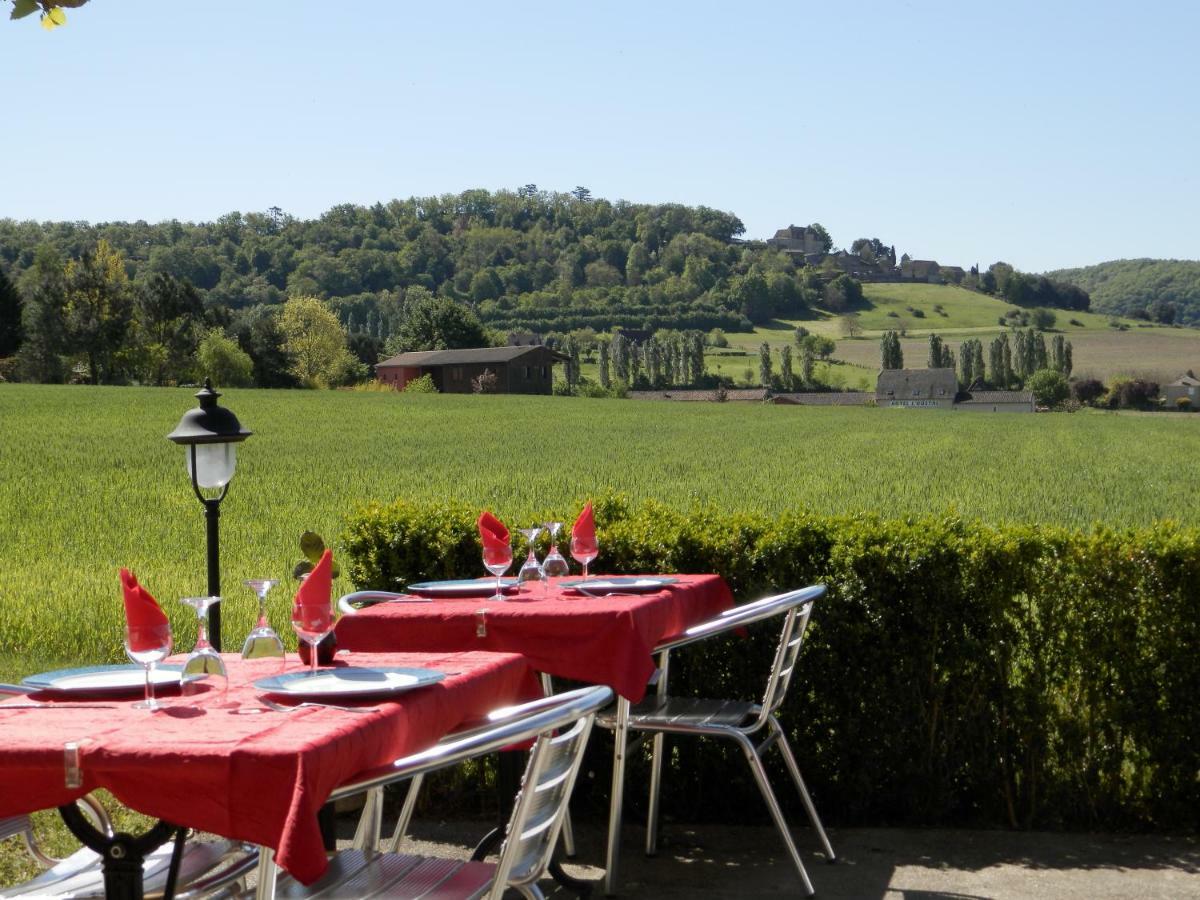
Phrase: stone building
x=931 y=388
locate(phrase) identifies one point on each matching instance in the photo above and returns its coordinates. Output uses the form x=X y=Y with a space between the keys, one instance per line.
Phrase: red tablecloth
x=253 y=777
x=600 y=640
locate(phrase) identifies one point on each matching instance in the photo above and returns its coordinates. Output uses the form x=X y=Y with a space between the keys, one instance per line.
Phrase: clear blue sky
x=1046 y=134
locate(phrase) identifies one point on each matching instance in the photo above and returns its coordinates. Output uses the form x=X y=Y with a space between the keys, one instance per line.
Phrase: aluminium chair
x=742 y=722
x=559 y=726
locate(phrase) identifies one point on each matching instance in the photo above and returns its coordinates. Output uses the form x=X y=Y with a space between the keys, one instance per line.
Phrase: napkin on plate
x=584 y=529
x=494 y=535
x=141 y=611
x=313 y=599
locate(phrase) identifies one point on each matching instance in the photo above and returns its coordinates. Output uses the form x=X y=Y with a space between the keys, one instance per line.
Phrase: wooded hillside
x=1157 y=287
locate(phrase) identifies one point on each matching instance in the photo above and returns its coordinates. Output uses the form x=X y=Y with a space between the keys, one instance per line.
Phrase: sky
x=1045 y=134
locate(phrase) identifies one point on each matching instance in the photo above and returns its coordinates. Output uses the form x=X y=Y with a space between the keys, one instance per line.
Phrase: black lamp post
x=209 y=436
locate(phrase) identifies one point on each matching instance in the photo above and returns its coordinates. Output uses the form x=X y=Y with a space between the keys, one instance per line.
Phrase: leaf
x=22 y=8
x=53 y=17
x=312 y=546
x=301 y=568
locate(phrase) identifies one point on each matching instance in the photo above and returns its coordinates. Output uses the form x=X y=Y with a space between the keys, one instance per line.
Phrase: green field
x=89 y=483
x=1100 y=350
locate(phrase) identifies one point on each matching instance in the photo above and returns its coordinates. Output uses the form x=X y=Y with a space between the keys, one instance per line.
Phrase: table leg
x=265 y=874
x=620 y=739
x=121 y=855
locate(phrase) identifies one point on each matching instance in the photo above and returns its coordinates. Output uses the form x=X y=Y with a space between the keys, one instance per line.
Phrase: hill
x=1126 y=285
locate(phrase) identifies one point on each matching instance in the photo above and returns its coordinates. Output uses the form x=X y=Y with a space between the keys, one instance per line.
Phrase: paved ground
x=879 y=864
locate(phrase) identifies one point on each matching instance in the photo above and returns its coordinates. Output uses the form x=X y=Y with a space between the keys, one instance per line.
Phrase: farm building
x=518 y=370
x=996 y=401
x=934 y=388
x=1183 y=388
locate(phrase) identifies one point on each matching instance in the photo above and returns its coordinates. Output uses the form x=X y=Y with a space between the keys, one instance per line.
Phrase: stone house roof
x=1185 y=381
x=998 y=397
x=916 y=384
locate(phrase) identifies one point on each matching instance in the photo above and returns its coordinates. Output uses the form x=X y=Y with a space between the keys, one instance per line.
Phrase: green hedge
x=955 y=673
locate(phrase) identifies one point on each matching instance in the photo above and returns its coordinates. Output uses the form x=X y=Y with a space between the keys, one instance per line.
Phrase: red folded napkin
x=313 y=599
x=495 y=537
x=584 y=529
x=141 y=612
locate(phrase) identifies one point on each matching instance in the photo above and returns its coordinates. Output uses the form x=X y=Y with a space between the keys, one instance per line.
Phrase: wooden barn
x=518 y=370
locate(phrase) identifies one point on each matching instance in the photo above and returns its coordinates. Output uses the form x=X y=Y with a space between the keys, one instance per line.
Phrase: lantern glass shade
x=214 y=463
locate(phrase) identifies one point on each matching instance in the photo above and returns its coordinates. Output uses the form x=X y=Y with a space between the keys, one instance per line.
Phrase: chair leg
x=620 y=739
x=656 y=758
x=266 y=872
x=790 y=759
x=406 y=813
x=567 y=835
x=764 y=787
x=370 y=821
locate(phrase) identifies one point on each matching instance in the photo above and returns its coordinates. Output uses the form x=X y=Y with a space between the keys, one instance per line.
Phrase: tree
x=223 y=361
x=1087 y=390
x=891 y=356
x=939 y=353
x=807 y=365
x=822 y=347
x=843 y=293
x=437 y=323
x=1000 y=363
x=752 y=297
x=785 y=368
x=10 y=317
x=1049 y=388
x=99 y=308
x=764 y=364
x=1043 y=319
x=850 y=325
x=822 y=236
x=43 y=320
x=313 y=338
x=605 y=377
x=168 y=320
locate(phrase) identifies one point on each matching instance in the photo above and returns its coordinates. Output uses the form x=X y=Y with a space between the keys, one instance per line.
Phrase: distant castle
x=806 y=247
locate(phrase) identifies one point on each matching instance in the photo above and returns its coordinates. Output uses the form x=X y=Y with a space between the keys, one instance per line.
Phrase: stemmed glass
x=312 y=624
x=530 y=570
x=148 y=645
x=203 y=660
x=554 y=565
x=496 y=560
x=584 y=550
x=262 y=642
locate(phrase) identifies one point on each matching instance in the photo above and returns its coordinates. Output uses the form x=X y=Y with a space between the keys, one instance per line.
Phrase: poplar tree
x=807 y=363
x=785 y=367
x=764 y=364
x=605 y=381
x=1020 y=354
x=697 y=357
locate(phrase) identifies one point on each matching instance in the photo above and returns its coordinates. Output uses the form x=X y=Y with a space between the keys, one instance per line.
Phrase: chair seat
x=355 y=873
x=688 y=714
x=80 y=875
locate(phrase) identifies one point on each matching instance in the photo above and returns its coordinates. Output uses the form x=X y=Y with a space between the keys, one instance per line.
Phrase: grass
x=89 y=483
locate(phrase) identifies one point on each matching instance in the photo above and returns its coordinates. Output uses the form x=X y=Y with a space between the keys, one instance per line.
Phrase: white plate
x=103 y=681
x=618 y=585
x=350 y=681
x=474 y=587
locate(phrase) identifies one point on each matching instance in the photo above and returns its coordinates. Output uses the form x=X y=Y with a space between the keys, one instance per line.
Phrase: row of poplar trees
x=1009 y=363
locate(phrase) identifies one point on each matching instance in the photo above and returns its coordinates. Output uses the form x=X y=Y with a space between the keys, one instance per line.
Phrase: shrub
x=422 y=385
x=956 y=673
x=1087 y=390
x=1183 y=404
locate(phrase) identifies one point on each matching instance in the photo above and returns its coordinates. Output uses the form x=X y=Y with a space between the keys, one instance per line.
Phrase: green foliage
x=1019 y=676
x=1123 y=285
x=223 y=361
x=11 y=332
x=1049 y=387
x=312 y=545
x=437 y=323
x=422 y=385
x=891 y=356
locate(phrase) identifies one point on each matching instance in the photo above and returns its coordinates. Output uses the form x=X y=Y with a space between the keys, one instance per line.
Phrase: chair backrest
x=795 y=606
x=559 y=725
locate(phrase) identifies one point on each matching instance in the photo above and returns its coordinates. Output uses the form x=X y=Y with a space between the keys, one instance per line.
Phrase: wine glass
x=554 y=565
x=263 y=642
x=497 y=559
x=530 y=570
x=584 y=550
x=203 y=660
x=312 y=624
x=148 y=645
